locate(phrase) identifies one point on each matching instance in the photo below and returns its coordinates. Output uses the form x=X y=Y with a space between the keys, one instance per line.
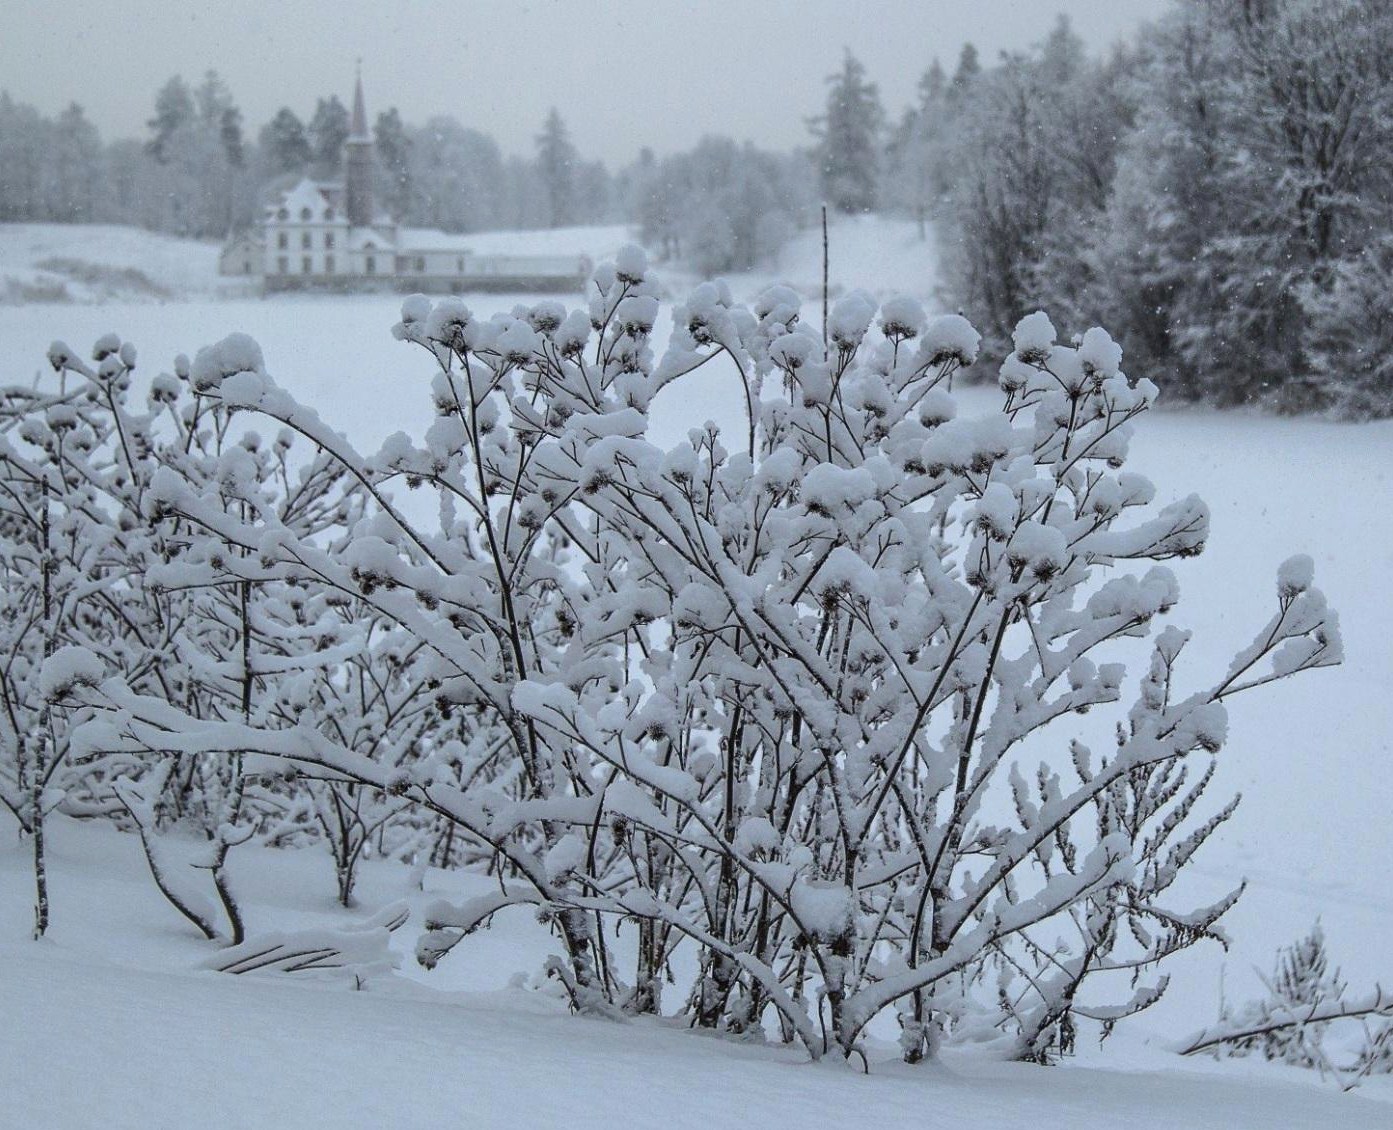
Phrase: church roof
x=359 y=129
x=429 y=239
x=370 y=239
x=320 y=197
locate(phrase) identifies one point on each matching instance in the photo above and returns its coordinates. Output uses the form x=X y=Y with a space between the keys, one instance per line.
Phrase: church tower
x=358 y=163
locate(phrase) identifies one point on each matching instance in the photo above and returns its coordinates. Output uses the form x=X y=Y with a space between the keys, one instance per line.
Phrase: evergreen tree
x=217 y=114
x=915 y=174
x=393 y=151
x=328 y=130
x=1257 y=190
x=211 y=100
x=556 y=165
x=174 y=109
x=230 y=133
x=848 y=139
x=23 y=145
x=456 y=176
x=283 y=141
x=968 y=68
x=74 y=168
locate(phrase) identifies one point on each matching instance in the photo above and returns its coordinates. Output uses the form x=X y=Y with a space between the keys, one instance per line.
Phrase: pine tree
x=230 y=133
x=211 y=100
x=915 y=173
x=218 y=115
x=327 y=132
x=965 y=75
x=75 y=160
x=556 y=165
x=848 y=139
x=174 y=109
x=393 y=150
x=284 y=143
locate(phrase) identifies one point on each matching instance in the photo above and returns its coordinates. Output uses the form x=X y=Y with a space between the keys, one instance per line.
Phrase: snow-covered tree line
x=1217 y=192
x=722 y=206
x=803 y=701
x=199 y=171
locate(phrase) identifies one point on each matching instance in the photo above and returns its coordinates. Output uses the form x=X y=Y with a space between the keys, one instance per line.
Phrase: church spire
x=358 y=161
x=359 y=132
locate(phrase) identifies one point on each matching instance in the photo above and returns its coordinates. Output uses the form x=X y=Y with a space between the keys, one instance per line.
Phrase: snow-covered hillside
x=880 y=254
x=99 y=263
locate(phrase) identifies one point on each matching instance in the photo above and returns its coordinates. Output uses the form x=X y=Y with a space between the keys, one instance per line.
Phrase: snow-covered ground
x=100 y=263
x=155 y=1044
x=882 y=255
x=108 y=1023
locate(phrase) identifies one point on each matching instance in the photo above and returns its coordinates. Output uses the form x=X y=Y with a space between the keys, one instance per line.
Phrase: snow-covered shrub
x=102 y=583
x=372 y=700
x=1294 y=1024
x=805 y=699
x=68 y=459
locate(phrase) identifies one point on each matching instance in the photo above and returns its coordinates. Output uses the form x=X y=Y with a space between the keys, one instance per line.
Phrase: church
x=330 y=236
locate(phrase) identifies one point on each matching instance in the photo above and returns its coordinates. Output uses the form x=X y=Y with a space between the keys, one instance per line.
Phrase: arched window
x=283 y=214
x=305 y=214
x=329 y=215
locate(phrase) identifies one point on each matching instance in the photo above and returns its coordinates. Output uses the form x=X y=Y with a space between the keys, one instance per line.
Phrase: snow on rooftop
x=597 y=241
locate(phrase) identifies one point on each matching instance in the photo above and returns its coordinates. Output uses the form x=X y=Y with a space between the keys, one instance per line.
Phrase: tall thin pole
x=824 y=282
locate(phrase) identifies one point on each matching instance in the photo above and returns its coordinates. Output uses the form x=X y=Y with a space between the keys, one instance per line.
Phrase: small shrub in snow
x=1296 y=1022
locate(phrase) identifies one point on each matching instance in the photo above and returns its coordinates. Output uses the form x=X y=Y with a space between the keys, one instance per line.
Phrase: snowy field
x=109 y=1015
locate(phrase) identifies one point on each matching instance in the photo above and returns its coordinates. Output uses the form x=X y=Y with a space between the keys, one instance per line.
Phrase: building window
x=329 y=214
x=370 y=265
x=421 y=263
x=459 y=265
x=306 y=241
x=328 y=264
x=305 y=213
x=282 y=241
x=306 y=265
x=283 y=214
x=247 y=266
x=328 y=240
x=283 y=266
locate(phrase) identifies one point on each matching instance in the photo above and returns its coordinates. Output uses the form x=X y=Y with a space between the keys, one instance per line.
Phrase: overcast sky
x=624 y=73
